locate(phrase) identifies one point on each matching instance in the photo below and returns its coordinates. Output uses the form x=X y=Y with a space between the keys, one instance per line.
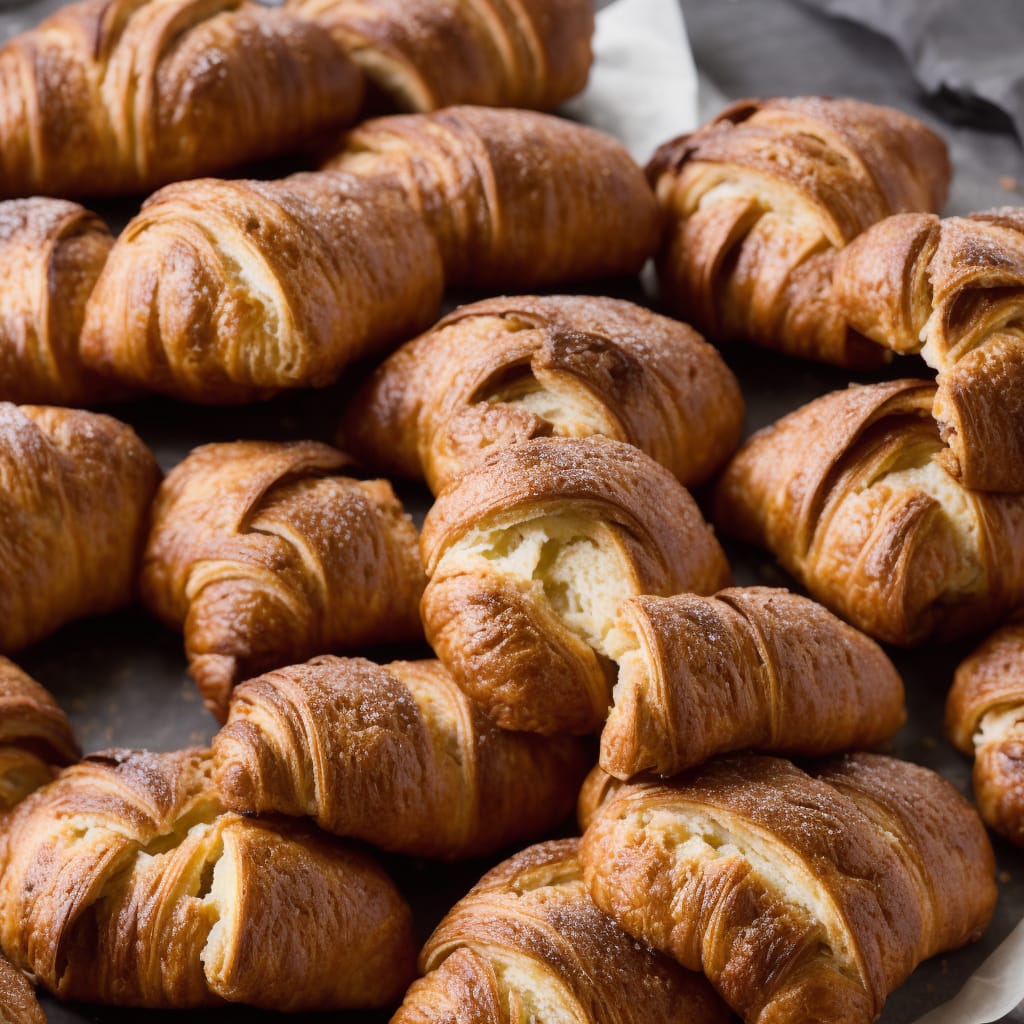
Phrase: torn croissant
x=505 y=370
x=985 y=718
x=230 y=291
x=265 y=555
x=421 y=54
x=851 y=495
x=152 y=895
x=18 y=1004
x=516 y=199
x=530 y=553
x=952 y=290
x=761 y=200
x=801 y=896
x=35 y=736
x=75 y=490
x=527 y=944
x=750 y=668
x=110 y=97
x=396 y=755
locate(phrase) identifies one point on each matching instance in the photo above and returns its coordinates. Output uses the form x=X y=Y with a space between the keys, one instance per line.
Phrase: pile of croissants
x=743 y=850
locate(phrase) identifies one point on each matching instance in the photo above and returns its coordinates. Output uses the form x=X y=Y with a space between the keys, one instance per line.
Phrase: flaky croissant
x=229 y=291
x=108 y=97
x=517 y=200
x=802 y=897
x=35 y=736
x=850 y=494
x=264 y=554
x=529 y=555
x=125 y=881
x=18 y=1004
x=527 y=944
x=51 y=253
x=985 y=718
x=421 y=54
x=762 y=199
x=750 y=668
x=952 y=290
x=75 y=490
x=396 y=755
x=505 y=370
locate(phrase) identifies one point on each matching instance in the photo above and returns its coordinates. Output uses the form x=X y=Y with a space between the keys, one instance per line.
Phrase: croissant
x=18 y=1003
x=51 y=253
x=985 y=718
x=109 y=97
x=750 y=668
x=75 y=489
x=504 y=370
x=421 y=54
x=528 y=556
x=850 y=494
x=762 y=199
x=35 y=737
x=265 y=555
x=527 y=944
x=802 y=897
x=516 y=199
x=126 y=882
x=230 y=291
x=952 y=290
x=395 y=755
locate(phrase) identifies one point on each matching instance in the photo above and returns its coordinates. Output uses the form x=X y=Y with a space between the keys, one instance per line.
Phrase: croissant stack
x=18 y=1003
x=750 y=668
x=421 y=54
x=530 y=553
x=108 y=97
x=75 y=490
x=762 y=200
x=985 y=718
x=35 y=737
x=395 y=755
x=952 y=290
x=264 y=554
x=528 y=944
x=126 y=882
x=851 y=495
x=802 y=896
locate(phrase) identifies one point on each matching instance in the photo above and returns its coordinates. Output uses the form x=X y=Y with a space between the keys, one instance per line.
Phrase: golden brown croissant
x=108 y=97
x=952 y=290
x=761 y=200
x=527 y=944
x=802 y=897
x=35 y=736
x=229 y=291
x=75 y=489
x=18 y=1003
x=750 y=668
x=125 y=881
x=985 y=718
x=421 y=54
x=516 y=199
x=264 y=554
x=504 y=370
x=849 y=494
x=529 y=555
x=396 y=755
x=51 y=253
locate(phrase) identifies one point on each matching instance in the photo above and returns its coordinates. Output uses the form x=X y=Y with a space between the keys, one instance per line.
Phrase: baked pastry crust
x=75 y=490
x=851 y=495
x=761 y=200
x=801 y=896
x=504 y=370
x=18 y=1004
x=264 y=554
x=396 y=755
x=126 y=882
x=527 y=944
